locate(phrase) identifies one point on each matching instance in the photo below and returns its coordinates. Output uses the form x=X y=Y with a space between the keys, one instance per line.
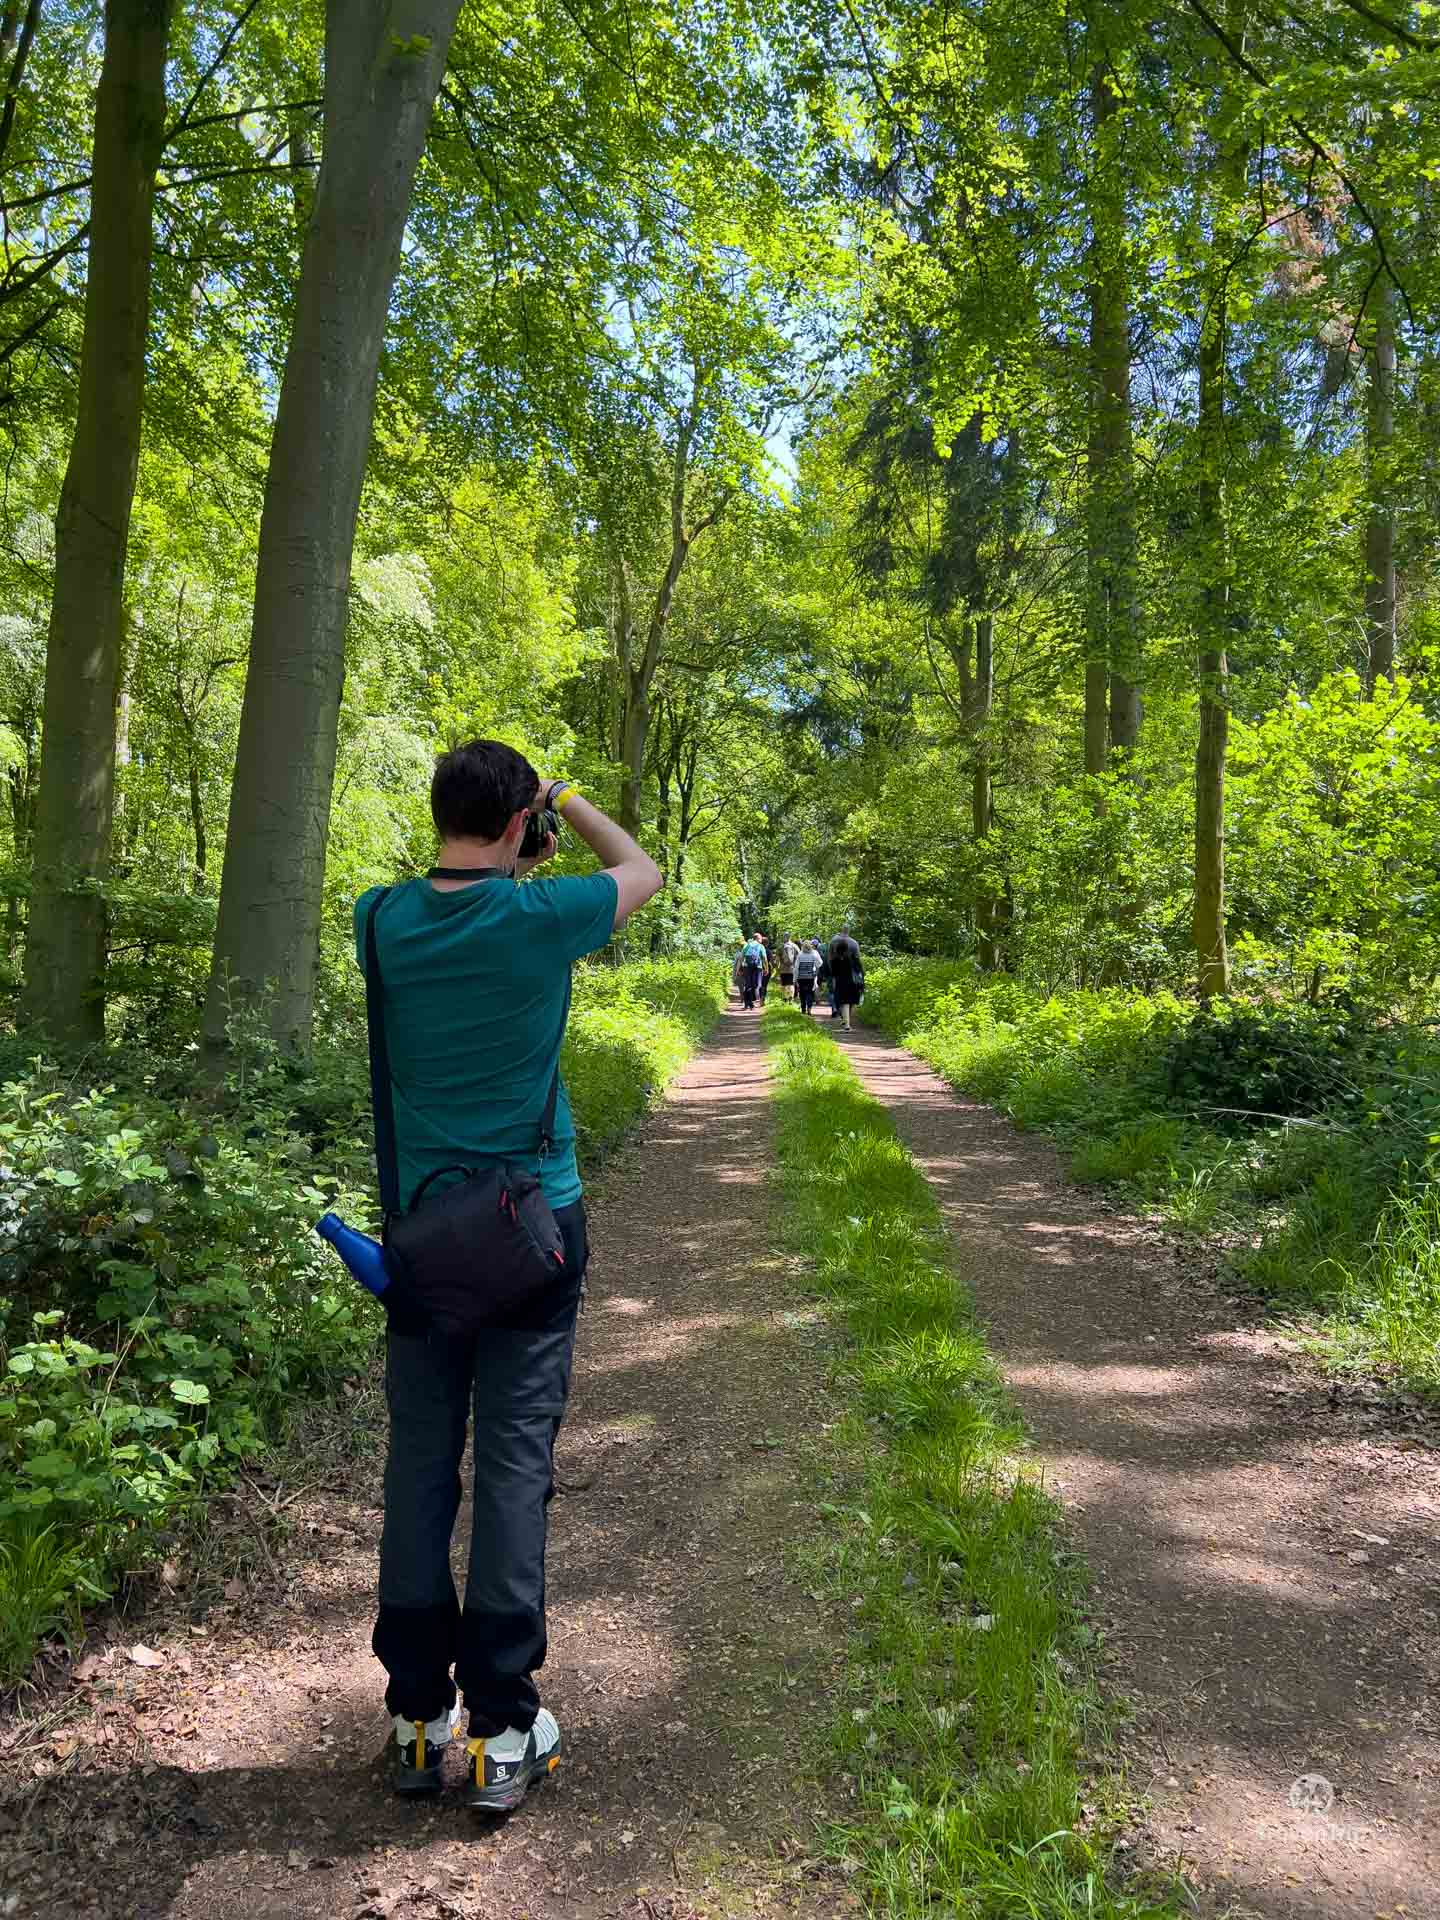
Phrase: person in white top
x=807 y=968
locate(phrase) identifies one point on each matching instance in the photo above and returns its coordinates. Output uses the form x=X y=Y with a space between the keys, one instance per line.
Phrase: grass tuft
x=970 y=1724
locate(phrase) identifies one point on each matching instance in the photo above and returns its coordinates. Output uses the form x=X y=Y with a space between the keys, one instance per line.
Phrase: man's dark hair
x=478 y=788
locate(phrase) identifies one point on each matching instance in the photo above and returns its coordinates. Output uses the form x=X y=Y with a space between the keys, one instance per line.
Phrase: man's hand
x=547 y=852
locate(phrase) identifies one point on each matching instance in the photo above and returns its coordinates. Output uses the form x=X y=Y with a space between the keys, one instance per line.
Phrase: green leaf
x=190 y=1391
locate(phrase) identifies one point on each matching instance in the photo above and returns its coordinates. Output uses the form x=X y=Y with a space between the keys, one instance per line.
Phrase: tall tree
x=1380 y=583
x=640 y=641
x=1112 y=655
x=65 y=948
x=384 y=61
x=1216 y=611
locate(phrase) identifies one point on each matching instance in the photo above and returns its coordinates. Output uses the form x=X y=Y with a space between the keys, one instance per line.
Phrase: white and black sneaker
x=504 y=1767
x=420 y=1749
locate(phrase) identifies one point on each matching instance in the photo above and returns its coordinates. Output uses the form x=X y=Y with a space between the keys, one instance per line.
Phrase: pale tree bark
x=384 y=60
x=1380 y=583
x=1216 y=613
x=65 y=946
x=1112 y=652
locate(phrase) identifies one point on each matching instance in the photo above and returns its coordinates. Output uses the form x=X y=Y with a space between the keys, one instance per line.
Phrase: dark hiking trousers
x=515 y=1382
x=806 y=991
x=749 y=983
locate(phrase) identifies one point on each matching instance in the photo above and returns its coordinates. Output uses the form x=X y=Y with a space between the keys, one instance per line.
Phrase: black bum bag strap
x=382 y=1091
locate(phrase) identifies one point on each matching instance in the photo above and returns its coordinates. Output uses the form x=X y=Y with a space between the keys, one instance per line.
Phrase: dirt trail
x=240 y=1778
x=1263 y=1550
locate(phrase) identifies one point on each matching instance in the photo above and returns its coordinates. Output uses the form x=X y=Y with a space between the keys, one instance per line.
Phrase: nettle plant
x=195 y=1302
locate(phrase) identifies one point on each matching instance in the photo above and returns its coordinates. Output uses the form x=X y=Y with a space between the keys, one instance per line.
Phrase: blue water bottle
x=363 y=1256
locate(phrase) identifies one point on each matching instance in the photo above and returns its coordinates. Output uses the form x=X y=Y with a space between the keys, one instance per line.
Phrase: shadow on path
x=1264 y=1576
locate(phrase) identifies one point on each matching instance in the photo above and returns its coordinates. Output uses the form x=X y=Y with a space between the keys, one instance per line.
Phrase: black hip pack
x=483 y=1252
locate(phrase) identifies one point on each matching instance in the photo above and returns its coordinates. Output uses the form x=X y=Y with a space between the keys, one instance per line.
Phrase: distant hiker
x=807 y=971
x=749 y=966
x=847 y=976
x=766 y=970
x=789 y=953
x=473 y=979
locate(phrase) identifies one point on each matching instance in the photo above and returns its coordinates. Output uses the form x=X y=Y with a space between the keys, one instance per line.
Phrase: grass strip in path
x=971 y=1722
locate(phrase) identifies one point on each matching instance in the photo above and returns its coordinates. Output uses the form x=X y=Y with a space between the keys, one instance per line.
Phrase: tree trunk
x=1216 y=613
x=980 y=706
x=384 y=63
x=662 y=852
x=1211 y=952
x=1380 y=525
x=65 y=947
x=634 y=735
x=1113 y=614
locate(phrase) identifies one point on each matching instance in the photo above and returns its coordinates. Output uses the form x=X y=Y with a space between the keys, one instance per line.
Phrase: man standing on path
x=789 y=953
x=847 y=976
x=476 y=982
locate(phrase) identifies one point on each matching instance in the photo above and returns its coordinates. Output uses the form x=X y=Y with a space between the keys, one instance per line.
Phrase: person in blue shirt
x=749 y=968
x=475 y=962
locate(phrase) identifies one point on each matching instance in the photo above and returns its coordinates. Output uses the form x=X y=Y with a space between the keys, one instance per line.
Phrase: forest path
x=240 y=1779
x=1263 y=1550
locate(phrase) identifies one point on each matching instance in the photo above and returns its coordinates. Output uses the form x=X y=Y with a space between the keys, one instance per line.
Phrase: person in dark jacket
x=847 y=976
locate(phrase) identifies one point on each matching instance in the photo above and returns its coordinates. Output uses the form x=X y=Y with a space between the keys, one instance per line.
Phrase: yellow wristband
x=566 y=793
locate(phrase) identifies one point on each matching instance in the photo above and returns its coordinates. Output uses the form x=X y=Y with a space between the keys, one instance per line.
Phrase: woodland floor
x=1221 y=1491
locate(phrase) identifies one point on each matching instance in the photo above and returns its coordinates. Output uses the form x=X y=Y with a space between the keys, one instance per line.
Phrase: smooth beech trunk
x=65 y=949
x=1112 y=653
x=1211 y=950
x=384 y=60
x=982 y=799
x=1216 y=612
x=1380 y=585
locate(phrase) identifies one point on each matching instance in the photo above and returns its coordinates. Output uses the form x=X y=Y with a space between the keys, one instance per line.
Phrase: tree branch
x=1317 y=147
x=236 y=28
x=17 y=74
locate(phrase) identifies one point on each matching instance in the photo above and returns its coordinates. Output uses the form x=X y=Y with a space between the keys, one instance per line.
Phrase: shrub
x=164 y=1302
x=1246 y=1063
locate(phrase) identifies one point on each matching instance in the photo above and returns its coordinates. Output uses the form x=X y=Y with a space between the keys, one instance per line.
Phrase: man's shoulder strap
x=382 y=1094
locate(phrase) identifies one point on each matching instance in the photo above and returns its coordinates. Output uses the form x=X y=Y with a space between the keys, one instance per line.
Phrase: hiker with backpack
x=807 y=972
x=749 y=967
x=789 y=954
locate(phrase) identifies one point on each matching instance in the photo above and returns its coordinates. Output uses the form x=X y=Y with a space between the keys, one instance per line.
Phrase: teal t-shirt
x=477 y=991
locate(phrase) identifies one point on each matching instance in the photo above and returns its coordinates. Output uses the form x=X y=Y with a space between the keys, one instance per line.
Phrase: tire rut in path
x=683 y=1660
x=1263 y=1573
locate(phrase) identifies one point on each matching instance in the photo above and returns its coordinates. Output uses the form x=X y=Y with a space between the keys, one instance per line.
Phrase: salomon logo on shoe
x=505 y=1766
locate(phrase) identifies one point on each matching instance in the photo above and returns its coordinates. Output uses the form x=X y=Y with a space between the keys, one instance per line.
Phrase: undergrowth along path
x=1263 y=1570
x=239 y=1778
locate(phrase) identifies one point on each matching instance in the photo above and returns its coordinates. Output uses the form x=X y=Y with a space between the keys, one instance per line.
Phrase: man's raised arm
x=636 y=876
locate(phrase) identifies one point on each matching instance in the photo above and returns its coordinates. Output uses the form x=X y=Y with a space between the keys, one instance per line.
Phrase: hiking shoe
x=505 y=1767
x=420 y=1749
